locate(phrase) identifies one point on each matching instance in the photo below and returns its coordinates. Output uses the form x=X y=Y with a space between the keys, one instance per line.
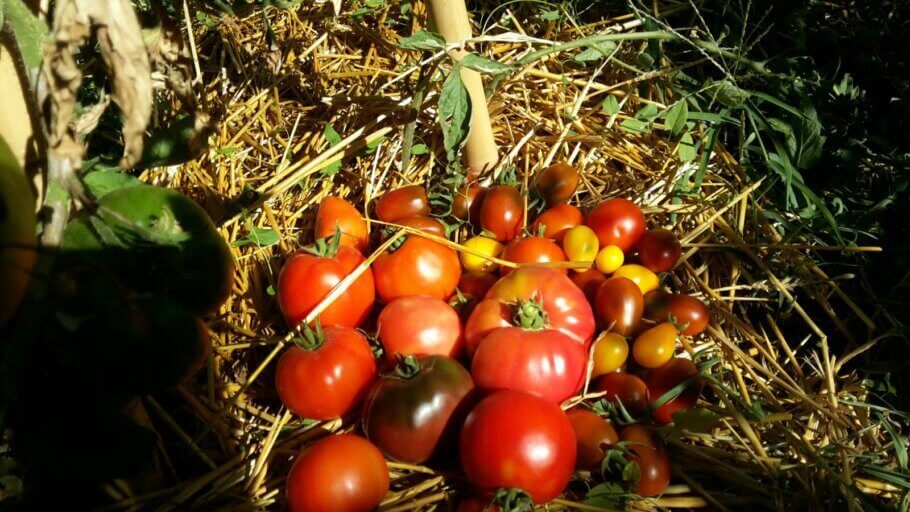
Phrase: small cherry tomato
x=618 y=222
x=530 y=250
x=655 y=346
x=419 y=266
x=609 y=259
x=642 y=277
x=335 y=212
x=685 y=311
x=668 y=376
x=619 y=305
x=338 y=472
x=557 y=183
x=659 y=250
x=588 y=281
x=625 y=388
x=467 y=203
x=419 y=325
x=409 y=201
x=483 y=245
x=557 y=220
x=647 y=451
x=425 y=224
x=502 y=212
x=610 y=353
x=593 y=435
x=580 y=244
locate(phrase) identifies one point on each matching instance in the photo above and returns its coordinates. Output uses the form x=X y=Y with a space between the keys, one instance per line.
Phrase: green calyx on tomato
x=408 y=367
x=312 y=338
x=530 y=315
x=513 y=500
x=326 y=247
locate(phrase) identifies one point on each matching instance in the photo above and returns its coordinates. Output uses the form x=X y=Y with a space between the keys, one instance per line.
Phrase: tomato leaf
x=484 y=65
x=332 y=137
x=454 y=113
x=28 y=31
x=676 y=117
x=104 y=181
x=263 y=237
x=423 y=40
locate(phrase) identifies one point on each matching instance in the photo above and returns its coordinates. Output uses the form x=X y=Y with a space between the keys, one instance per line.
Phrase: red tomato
x=417 y=267
x=619 y=305
x=593 y=436
x=306 y=279
x=468 y=202
x=409 y=201
x=659 y=250
x=557 y=220
x=338 y=473
x=563 y=304
x=683 y=310
x=476 y=284
x=335 y=212
x=502 y=212
x=326 y=377
x=417 y=409
x=627 y=388
x=667 y=377
x=532 y=249
x=588 y=282
x=427 y=224
x=478 y=504
x=517 y=440
x=618 y=222
x=557 y=183
x=543 y=362
x=419 y=325
x=646 y=450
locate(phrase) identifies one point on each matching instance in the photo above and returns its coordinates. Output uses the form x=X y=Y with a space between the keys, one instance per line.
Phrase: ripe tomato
x=475 y=284
x=417 y=409
x=655 y=346
x=426 y=224
x=467 y=203
x=659 y=250
x=418 y=325
x=532 y=249
x=642 y=277
x=409 y=201
x=543 y=362
x=478 y=504
x=647 y=451
x=626 y=388
x=516 y=440
x=557 y=220
x=306 y=279
x=619 y=305
x=565 y=306
x=588 y=282
x=609 y=259
x=327 y=374
x=417 y=267
x=335 y=212
x=502 y=212
x=580 y=244
x=618 y=222
x=557 y=183
x=666 y=377
x=593 y=436
x=610 y=353
x=338 y=473
x=482 y=245
x=683 y=310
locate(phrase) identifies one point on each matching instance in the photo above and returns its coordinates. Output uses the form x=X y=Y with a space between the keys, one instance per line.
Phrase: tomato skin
x=330 y=381
x=641 y=276
x=412 y=418
x=580 y=244
x=686 y=310
x=659 y=250
x=409 y=201
x=557 y=220
x=632 y=391
x=655 y=346
x=594 y=436
x=544 y=363
x=588 y=282
x=306 y=279
x=425 y=224
x=483 y=245
x=468 y=202
x=478 y=504
x=619 y=303
x=648 y=452
x=338 y=473
x=557 y=183
x=335 y=211
x=418 y=267
x=502 y=212
x=618 y=222
x=610 y=352
x=419 y=325
x=609 y=259
x=530 y=250
x=668 y=376
x=476 y=284
x=535 y=454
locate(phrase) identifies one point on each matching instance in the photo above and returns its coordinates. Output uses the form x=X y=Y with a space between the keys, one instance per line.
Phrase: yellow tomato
x=610 y=352
x=642 y=277
x=483 y=245
x=580 y=244
x=609 y=259
x=655 y=346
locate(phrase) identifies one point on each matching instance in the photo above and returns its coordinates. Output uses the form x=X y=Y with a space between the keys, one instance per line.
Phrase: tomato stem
x=326 y=247
x=530 y=315
x=407 y=367
x=513 y=500
x=312 y=339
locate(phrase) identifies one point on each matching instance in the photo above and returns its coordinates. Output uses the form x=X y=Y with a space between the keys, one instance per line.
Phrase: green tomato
x=17 y=233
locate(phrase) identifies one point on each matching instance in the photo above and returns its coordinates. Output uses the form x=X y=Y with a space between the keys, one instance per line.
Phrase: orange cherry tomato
x=580 y=244
x=668 y=376
x=409 y=201
x=617 y=222
x=557 y=220
x=642 y=277
x=655 y=346
x=610 y=352
x=594 y=436
x=588 y=281
x=557 y=183
x=532 y=249
x=336 y=212
x=502 y=212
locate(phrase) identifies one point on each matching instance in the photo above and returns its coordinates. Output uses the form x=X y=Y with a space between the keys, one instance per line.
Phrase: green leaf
x=454 y=114
x=635 y=126
x=28 y=31
x=263 y=237
x=332 y=137
x=423 y=40
x=551 y=15
x=596 y=52
x=104 y=181
x=419 y=149
x=729 y=95
x=182 y=141
x=687 y=150
x=676 y=117
x=696 y=421
x=484 y=65
x=647 y=113
x=610 y=105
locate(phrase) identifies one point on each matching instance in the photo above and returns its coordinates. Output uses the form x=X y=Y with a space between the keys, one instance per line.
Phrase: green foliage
x=332 y=137
x=28 y=31
x=454 y=114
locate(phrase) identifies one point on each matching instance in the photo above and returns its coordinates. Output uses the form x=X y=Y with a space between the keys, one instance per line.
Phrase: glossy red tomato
x=593 y=436
x=557 y=183
x=517 y=440
x=557 y=220
x=338 y=473
x=659 y=250
x=683 y=310
x=647 y=451
x=409 y=201
x=419 y=325
x=532 y=249
x=306 y=279
x=618 y=222
x=417 y=409
x=619 y=305
x=543 y=362
x=588 y=282
x=468 y=202
x=417 y=267
x=325 y=377
x=624 y=387
x=427 y=224
x=502 y=212
x=667 y=377
x=335 y=212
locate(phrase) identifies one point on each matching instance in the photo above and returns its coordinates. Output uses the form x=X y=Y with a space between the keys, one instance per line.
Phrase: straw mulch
x=787 y=436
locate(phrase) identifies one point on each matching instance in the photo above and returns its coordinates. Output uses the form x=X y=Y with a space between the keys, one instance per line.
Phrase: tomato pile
x=484 y=343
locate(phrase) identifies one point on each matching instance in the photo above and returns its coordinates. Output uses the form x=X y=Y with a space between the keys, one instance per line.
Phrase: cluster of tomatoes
x=482 y=346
